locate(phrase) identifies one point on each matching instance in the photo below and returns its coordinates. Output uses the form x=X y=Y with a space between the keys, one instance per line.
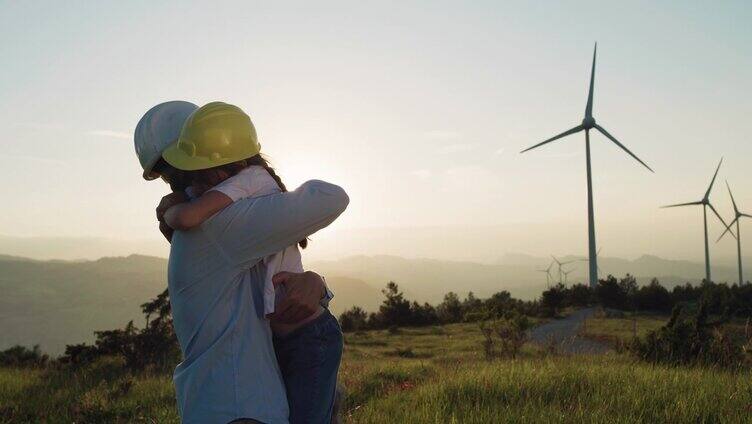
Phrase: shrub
x=353 y=319
x=553 y=299
x=153 y=346
x=653 y=297
x=690 y=341
x=504 y=337
x=451 y=309
x=20 y=356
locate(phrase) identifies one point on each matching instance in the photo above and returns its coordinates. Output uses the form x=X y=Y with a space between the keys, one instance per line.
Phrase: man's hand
x=169 y=201
x=304 y=292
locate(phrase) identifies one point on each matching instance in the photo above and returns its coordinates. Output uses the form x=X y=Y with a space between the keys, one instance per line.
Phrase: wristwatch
x=328 y=295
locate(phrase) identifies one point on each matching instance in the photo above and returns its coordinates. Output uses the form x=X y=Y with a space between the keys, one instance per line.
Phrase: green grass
x=622 y=329
x=428 y=375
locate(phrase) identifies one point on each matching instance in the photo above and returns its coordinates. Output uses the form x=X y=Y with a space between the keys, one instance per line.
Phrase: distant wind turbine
x=560 y=264
x=587 y=124
x=737 y=215
x=548 y=274
x=705 y=202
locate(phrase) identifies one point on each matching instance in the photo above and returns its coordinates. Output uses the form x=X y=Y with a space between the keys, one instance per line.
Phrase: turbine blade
x=728 y=229
x=604 y=132
x=564 y=134
x=589 y=107
x=733 y=202
x=719 y=217
x=707 y=193
x=683 y=204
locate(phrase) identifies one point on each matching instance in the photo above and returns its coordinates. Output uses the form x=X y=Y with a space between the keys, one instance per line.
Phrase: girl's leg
x=309 y=359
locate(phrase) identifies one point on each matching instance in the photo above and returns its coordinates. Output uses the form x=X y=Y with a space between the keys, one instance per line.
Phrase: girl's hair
x=209 y=176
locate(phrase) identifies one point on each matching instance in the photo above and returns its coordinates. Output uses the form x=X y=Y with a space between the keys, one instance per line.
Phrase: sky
x=418 y=109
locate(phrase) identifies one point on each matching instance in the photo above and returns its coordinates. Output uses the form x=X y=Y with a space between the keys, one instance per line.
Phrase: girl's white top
x=255 y=181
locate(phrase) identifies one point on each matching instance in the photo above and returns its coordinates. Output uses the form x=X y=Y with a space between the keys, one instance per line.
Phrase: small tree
x=610 y=293
x=553 y=298
x=20 y=356
x=353 y=319
x=510 y=335
x=653 y=297
x=421 y=315
x=579 y=295
x=450 y=310
x=396 y=309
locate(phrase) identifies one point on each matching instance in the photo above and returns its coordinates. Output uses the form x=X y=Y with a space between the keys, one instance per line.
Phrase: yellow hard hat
x=215 y=134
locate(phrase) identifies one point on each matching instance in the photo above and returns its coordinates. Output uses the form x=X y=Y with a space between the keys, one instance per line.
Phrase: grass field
x=433 y=375
x=623 y=329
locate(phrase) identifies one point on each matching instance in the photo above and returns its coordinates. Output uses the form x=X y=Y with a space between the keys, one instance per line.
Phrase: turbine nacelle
x=588 y=122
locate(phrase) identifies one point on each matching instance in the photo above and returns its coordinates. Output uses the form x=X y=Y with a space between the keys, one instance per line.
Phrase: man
x=229 y=371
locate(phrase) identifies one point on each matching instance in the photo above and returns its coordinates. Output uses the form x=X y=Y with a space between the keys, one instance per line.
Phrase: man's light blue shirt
x=229 y=369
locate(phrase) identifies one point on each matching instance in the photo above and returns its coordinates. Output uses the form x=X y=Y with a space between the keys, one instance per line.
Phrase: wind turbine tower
x=588 y=123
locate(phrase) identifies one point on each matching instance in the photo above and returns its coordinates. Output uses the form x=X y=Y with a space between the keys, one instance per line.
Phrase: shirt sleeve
x=236 y=187
x=252 y=228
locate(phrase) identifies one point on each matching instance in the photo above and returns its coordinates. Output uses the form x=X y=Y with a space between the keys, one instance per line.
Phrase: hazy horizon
x=418 y=110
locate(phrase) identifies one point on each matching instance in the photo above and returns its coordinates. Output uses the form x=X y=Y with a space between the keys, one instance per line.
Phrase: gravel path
x=564 y=331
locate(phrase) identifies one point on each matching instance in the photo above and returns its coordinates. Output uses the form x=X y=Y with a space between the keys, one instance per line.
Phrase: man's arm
x=250 y=229
x=185 y=216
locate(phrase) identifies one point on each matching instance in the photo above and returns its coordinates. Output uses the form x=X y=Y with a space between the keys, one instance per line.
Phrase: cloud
x=423 y=174
x=111 y=134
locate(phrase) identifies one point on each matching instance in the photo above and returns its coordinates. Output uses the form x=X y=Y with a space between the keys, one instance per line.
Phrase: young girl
x=308 y=351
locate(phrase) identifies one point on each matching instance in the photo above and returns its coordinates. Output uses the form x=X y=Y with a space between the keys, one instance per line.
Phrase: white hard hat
x=157 y=129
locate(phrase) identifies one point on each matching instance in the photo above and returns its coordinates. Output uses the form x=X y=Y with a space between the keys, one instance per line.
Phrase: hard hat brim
x=181 y=160
x=150 y=175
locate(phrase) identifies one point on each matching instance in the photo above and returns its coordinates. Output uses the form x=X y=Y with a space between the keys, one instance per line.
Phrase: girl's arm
x=185 y=216
x=252 y=228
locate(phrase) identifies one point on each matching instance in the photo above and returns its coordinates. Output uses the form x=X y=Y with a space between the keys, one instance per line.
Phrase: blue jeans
x=309 y=360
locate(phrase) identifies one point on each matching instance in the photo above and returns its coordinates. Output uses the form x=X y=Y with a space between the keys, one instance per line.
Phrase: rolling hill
x=54 y=303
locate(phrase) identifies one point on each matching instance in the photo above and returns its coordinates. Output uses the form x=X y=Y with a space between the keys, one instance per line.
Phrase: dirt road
x=564 y=333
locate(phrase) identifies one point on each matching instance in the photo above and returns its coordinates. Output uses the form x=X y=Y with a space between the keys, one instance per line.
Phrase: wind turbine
x=560 y=265
x=588 y=123
x=705 y=202
x=548 y=274
x=737 y=215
